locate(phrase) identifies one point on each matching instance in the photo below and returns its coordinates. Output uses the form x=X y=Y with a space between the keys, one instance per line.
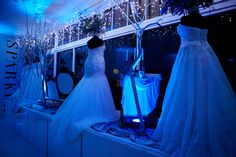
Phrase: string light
x=78 y=15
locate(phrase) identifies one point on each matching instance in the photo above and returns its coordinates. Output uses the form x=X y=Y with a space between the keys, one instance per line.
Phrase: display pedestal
x=91 y=143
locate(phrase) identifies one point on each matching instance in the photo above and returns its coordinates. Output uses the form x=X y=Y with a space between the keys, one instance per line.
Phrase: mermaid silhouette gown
x=199 y=109
x=90 y=101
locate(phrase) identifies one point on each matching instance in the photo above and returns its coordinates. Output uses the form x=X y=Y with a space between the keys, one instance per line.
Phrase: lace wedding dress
x=199 y=109
x=30 y=90
x=90 y=101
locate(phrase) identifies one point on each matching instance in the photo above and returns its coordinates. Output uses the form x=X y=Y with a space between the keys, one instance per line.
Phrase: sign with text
x=12 y=49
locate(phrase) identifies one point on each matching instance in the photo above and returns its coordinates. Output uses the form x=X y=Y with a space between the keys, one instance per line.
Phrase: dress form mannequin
x=198 y=114
x=194 y=19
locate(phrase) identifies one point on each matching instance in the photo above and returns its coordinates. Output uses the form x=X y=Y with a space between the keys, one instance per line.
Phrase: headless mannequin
x=194 y=19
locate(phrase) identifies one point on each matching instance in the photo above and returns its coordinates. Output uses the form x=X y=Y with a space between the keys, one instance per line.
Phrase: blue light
x=136 y=120
x=35 y=8
x=125 y=49
x=7 y=29
x=59 y=10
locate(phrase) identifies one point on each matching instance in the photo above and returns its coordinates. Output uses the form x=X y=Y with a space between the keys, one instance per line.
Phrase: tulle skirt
x=30 y=90
x=90 y=102
x=199 y=109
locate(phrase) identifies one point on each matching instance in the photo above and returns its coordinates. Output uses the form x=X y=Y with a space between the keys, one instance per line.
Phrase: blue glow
x=147 y=92
x=125 y=49
x=7 y=29
x=58 y=11
x=35 y=8
x=136 y=120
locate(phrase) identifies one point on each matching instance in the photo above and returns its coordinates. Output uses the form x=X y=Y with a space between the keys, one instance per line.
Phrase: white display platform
x=97 y=144
x=34 y=127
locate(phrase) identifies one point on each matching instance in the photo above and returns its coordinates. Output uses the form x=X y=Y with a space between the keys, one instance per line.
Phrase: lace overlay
x=199 y=108
x=95 y=63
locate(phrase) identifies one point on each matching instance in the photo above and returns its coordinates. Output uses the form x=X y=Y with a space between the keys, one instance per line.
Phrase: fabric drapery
x=147 y=90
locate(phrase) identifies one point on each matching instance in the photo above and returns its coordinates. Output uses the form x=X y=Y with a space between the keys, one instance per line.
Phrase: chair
x=52 y=98
x=52 y=90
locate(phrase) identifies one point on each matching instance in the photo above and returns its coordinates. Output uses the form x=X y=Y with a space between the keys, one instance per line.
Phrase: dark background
x=160 y=48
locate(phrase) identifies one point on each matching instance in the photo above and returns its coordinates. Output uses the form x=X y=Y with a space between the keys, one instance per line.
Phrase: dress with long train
x=90 y=101
x=199 y=110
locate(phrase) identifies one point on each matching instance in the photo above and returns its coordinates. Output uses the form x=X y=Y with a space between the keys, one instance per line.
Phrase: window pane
x=82 y=35
x=51 y=42
x=64 y=60
x=153 y=9
x=66 y=35
x=60 y=37
x=139 y=8
x=49 y=66
x=80 y=57
x=119 y=20
x=108 y=16
x=74 y=32
x=46 y=42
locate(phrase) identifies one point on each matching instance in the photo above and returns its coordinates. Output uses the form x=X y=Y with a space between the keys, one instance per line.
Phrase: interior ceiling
x=13 y=13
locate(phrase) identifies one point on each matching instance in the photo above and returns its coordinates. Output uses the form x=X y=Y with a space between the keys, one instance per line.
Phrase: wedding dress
x=199 y=110
x=30 y=90
x=90 y=101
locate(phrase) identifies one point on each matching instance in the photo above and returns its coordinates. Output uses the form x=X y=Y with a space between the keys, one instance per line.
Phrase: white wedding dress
x=30 y=90
x=90 y=101
x=199 y=109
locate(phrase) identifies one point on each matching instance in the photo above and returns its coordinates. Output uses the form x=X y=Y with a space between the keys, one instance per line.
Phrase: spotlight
x=136 y=120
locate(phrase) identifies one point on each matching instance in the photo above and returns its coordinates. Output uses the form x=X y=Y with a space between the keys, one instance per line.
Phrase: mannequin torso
x=194 y=20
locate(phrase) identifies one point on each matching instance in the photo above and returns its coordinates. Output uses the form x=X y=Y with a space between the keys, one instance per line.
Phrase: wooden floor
x=12 y=145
